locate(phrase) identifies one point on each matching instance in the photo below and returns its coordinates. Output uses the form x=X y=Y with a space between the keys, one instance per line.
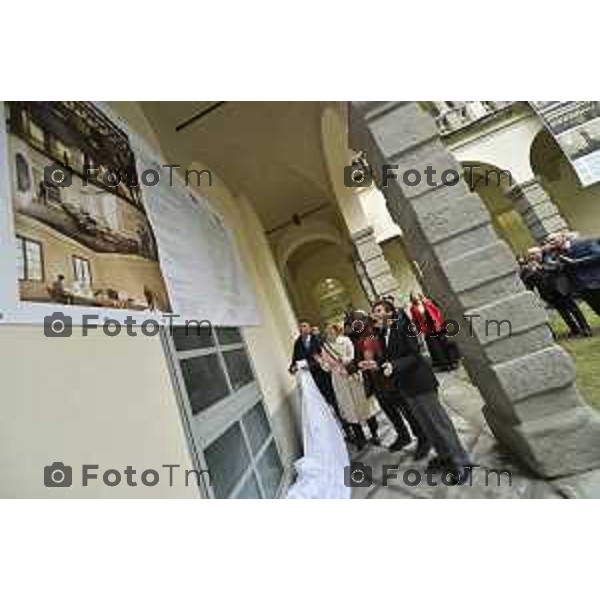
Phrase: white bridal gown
x=320 y=472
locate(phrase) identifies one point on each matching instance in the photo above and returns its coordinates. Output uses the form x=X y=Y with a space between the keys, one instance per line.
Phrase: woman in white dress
x=355 y=407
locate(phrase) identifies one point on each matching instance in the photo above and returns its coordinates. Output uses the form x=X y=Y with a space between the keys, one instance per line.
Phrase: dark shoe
x=587 y=333
x=436 y=463
x=422 y=451
x=460 y=476
x=399 y=444
x=359 y=441
x=359 y=445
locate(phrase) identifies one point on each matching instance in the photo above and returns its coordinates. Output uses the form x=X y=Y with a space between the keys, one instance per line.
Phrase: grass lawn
x=586 y=352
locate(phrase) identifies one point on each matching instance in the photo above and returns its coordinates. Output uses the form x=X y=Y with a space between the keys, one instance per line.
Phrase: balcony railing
x=460 y=115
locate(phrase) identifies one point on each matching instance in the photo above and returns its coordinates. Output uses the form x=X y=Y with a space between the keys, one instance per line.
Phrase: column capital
x=523 y=187
x=363 y=234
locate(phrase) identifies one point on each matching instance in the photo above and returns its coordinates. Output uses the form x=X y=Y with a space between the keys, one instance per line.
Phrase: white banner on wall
x=576 y=128
x=198 y=254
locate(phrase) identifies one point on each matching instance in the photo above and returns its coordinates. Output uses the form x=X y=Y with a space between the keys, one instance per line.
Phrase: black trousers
x=592 y=297
x=438 y=428
x=571 y=314
x=443 y=352
x=358 y=432
x=398 y=411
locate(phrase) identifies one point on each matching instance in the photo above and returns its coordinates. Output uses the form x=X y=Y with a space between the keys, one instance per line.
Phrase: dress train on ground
x=320 y=472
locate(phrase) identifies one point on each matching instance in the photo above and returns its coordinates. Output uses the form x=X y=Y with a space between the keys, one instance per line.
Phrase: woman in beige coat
x=355 y=407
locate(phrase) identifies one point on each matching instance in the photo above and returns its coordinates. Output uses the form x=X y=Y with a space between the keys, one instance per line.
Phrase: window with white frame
x=82 y=273
x=224 y=411
x=29 y=259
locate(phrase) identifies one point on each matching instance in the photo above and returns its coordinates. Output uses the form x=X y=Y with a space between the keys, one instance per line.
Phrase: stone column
x=536 y=207
x=528 y=382
x=374 y=266
x=365 y=282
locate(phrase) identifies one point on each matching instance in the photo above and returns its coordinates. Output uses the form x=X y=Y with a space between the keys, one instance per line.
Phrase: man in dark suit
x=546 y=273
x=368 y=354
x=582 y=257
x=307 y=347
x=413 y=377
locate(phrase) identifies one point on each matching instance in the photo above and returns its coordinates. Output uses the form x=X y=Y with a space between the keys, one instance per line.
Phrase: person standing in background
x=545 y=275
x=429 y=321
x=582 y=259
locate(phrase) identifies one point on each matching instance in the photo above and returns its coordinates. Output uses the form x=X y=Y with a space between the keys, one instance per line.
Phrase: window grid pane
x=192 y=337
x=244 y=461
x=256 y=426
x=34 y=271
x=31 y=259
x=238 y=368
x=227 y=459
x=229 y=335
x=250 y=489
x=204 y=381
x=82 y=270
x=270 y=470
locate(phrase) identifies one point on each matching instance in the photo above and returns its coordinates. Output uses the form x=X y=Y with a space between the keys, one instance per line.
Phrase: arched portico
x=579 y=205
x=493 y=185
x=506 y=148
x=526 y=380
x=313 y=262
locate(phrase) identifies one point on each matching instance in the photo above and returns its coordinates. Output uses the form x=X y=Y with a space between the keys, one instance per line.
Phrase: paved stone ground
x=463 y=402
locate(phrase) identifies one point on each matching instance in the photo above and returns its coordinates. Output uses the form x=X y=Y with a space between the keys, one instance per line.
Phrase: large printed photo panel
x=82 y=235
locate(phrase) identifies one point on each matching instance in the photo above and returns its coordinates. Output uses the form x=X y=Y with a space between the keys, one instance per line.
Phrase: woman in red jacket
x=429 y=321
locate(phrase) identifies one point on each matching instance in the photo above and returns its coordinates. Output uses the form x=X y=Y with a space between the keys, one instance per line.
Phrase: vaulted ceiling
x=270 y=152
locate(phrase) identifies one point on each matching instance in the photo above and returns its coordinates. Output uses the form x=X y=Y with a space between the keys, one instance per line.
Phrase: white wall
x=507 y=146
x=95 y=400
x=377 y=215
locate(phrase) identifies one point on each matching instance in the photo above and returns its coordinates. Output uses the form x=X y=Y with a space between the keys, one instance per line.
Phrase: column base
x=559 y=445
